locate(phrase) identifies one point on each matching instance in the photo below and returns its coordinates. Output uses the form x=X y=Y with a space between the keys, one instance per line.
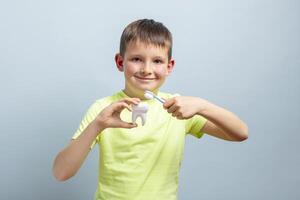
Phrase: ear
x=170 y=66
x=119 y=62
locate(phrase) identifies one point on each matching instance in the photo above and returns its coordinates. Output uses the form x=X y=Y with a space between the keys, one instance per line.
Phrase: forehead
x=137 y=47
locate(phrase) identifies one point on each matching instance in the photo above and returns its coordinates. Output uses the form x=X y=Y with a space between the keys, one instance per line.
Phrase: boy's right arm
x=70 y=159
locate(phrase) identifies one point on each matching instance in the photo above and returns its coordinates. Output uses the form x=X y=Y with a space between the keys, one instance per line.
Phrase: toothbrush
x=149 y=95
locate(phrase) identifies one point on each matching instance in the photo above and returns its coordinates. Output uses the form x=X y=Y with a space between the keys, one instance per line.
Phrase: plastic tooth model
x=149 y=95
x=139 y=110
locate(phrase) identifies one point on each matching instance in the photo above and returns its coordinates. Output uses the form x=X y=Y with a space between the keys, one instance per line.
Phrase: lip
x=144 y=79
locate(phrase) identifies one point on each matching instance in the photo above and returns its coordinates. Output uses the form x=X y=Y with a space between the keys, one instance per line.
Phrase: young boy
x=143 y=162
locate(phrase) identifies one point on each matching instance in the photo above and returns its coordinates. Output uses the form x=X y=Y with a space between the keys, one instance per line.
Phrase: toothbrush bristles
x=149 y=93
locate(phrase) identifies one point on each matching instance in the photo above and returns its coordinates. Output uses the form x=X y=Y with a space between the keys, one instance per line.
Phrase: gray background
x=56 y=58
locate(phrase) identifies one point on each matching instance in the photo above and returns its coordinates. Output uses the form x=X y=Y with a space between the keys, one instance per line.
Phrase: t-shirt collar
x=124 y=95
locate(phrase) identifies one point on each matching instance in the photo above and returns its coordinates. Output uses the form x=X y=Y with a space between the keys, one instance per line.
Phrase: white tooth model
x=139 y=110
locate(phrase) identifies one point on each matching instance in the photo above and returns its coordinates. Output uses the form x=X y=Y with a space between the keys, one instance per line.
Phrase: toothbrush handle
x=160 y=99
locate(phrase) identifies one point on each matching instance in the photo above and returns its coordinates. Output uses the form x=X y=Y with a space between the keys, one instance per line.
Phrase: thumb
x=127 y=125
x=168 y=103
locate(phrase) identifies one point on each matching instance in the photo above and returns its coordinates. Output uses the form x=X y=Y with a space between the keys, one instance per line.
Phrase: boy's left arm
x=220 y=123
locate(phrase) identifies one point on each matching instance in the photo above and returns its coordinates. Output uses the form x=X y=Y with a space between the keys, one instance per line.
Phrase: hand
x=183 y=107
x=109 y=117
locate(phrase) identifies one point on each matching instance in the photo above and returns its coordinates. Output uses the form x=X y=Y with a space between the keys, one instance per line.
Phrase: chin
x=145 y=87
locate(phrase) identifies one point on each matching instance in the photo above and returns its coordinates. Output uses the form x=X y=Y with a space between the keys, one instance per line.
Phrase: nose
x=146 y=69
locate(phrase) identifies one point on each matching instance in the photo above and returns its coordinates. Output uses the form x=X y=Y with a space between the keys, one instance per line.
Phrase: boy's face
x=145 y=67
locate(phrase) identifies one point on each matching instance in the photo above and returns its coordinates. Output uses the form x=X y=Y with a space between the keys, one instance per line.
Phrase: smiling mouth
x=145 y=79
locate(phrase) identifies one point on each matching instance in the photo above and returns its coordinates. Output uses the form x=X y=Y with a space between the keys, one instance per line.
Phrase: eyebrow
x=135 y=55
x=159 y=57
x=141 y=56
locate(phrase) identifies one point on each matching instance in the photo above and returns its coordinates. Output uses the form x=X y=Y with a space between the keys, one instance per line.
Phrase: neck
x=136 y=93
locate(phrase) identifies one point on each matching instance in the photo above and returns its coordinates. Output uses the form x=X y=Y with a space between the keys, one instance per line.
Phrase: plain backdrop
x=57 y=57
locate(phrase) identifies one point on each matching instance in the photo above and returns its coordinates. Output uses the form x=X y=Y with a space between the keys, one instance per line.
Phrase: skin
x=151 y=63
x=146 y=67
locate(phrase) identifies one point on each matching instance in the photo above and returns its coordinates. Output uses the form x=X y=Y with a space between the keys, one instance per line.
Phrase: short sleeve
x=89 y=116
x=194 y=125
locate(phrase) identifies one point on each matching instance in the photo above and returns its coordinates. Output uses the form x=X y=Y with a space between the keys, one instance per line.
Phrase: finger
x=172 y=109
x=177 y=114
x=169 y=103
x=180 y=117
x=128 y=125
x=127 y=107
x=132 y=101
x=119 y=106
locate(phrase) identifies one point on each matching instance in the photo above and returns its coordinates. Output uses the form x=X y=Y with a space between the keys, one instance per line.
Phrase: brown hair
x=147 y=31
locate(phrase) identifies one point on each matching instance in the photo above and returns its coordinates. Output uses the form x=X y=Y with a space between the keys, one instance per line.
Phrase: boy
x=143 y=162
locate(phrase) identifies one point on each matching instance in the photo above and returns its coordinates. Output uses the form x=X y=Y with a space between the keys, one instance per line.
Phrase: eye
x=136 y=59
x=158 y=61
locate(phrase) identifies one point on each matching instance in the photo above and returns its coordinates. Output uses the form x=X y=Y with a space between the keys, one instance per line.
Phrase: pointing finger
x=132 y=100
x=119 y=106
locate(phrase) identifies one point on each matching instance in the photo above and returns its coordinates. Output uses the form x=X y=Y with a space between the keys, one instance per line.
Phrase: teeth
x=139 y=110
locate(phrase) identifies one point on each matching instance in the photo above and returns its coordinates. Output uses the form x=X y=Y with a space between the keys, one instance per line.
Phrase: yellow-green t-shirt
x=144 y=162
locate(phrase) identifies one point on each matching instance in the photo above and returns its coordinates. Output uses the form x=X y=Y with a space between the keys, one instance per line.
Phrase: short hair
x=149 y=32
